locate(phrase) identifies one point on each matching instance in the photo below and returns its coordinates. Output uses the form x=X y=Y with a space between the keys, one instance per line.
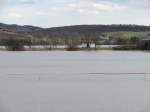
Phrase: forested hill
x=69 y=30
x=100 y=28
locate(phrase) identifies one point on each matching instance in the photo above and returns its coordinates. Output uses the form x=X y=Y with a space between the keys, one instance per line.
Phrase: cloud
x=45 y=13
x=20 y=2
x=90 y=6
x=144 y=4
x=12 y=15
x=2 y=3
x=26 y=1
x=97 y=6
x=49 y=12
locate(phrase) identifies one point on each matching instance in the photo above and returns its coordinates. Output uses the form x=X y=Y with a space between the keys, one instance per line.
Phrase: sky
x=53 y=13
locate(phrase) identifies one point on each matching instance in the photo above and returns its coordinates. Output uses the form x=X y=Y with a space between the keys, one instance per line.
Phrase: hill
x=74 y=31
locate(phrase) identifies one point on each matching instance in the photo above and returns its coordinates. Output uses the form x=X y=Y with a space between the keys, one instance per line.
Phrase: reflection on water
x=57 y=81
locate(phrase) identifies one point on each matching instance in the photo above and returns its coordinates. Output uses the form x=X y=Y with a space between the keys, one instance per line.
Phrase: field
x=127 y=34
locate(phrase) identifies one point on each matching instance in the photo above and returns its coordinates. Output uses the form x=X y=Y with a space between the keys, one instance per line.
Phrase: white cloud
x=140 y=3
x=90 y=7
x=2 y=3
x=45 y=13
x=12 y=15
x=49 y=12
x=26 y=1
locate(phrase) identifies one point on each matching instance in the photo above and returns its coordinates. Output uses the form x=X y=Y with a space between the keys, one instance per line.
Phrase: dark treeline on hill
x=15 y=35
x=80 y=29
x=100 y=28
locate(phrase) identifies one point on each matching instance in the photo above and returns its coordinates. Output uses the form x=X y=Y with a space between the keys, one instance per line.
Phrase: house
x=144 y=43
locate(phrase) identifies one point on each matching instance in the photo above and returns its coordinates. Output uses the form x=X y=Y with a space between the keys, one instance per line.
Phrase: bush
x=14 y=45
x=72 y=48
x=126 y=47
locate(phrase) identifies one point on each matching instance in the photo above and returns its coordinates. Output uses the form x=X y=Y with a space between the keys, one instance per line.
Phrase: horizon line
x=71 y=25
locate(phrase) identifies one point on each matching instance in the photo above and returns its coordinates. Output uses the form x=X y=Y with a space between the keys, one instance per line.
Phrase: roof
x=146 y=39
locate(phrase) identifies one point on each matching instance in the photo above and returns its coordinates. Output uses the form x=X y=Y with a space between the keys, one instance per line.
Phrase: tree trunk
x=88 y=45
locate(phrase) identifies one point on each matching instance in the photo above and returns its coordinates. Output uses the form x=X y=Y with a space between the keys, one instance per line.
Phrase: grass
x=65 y=49
x=125 y=34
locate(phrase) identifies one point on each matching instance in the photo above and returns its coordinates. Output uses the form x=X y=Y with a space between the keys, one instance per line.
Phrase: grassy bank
x=64 y=49
x=127 y=35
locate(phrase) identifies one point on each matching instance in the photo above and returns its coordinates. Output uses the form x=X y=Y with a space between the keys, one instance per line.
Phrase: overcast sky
x=49 y=13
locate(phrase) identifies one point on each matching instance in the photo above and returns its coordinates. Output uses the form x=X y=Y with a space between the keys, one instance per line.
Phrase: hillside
x=74 y=31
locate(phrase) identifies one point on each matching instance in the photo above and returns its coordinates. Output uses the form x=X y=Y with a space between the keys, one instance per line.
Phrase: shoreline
x=61 y=49
x=118 y=48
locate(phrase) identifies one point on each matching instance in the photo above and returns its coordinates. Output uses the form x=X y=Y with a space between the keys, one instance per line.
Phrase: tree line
x=72 y=42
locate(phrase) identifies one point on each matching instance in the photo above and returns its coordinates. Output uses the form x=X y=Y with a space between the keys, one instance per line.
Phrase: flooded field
x=61 y=81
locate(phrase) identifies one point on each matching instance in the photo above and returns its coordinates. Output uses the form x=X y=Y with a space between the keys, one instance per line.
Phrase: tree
x=14 y=44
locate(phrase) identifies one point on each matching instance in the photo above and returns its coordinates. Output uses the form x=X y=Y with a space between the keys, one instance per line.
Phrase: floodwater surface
x=61 y=81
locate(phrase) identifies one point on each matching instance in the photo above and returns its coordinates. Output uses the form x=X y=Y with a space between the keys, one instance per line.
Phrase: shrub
x=72 y=48
x=14 y=45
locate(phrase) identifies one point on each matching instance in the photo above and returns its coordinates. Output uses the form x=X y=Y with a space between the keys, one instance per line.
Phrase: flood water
x=61 y=81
